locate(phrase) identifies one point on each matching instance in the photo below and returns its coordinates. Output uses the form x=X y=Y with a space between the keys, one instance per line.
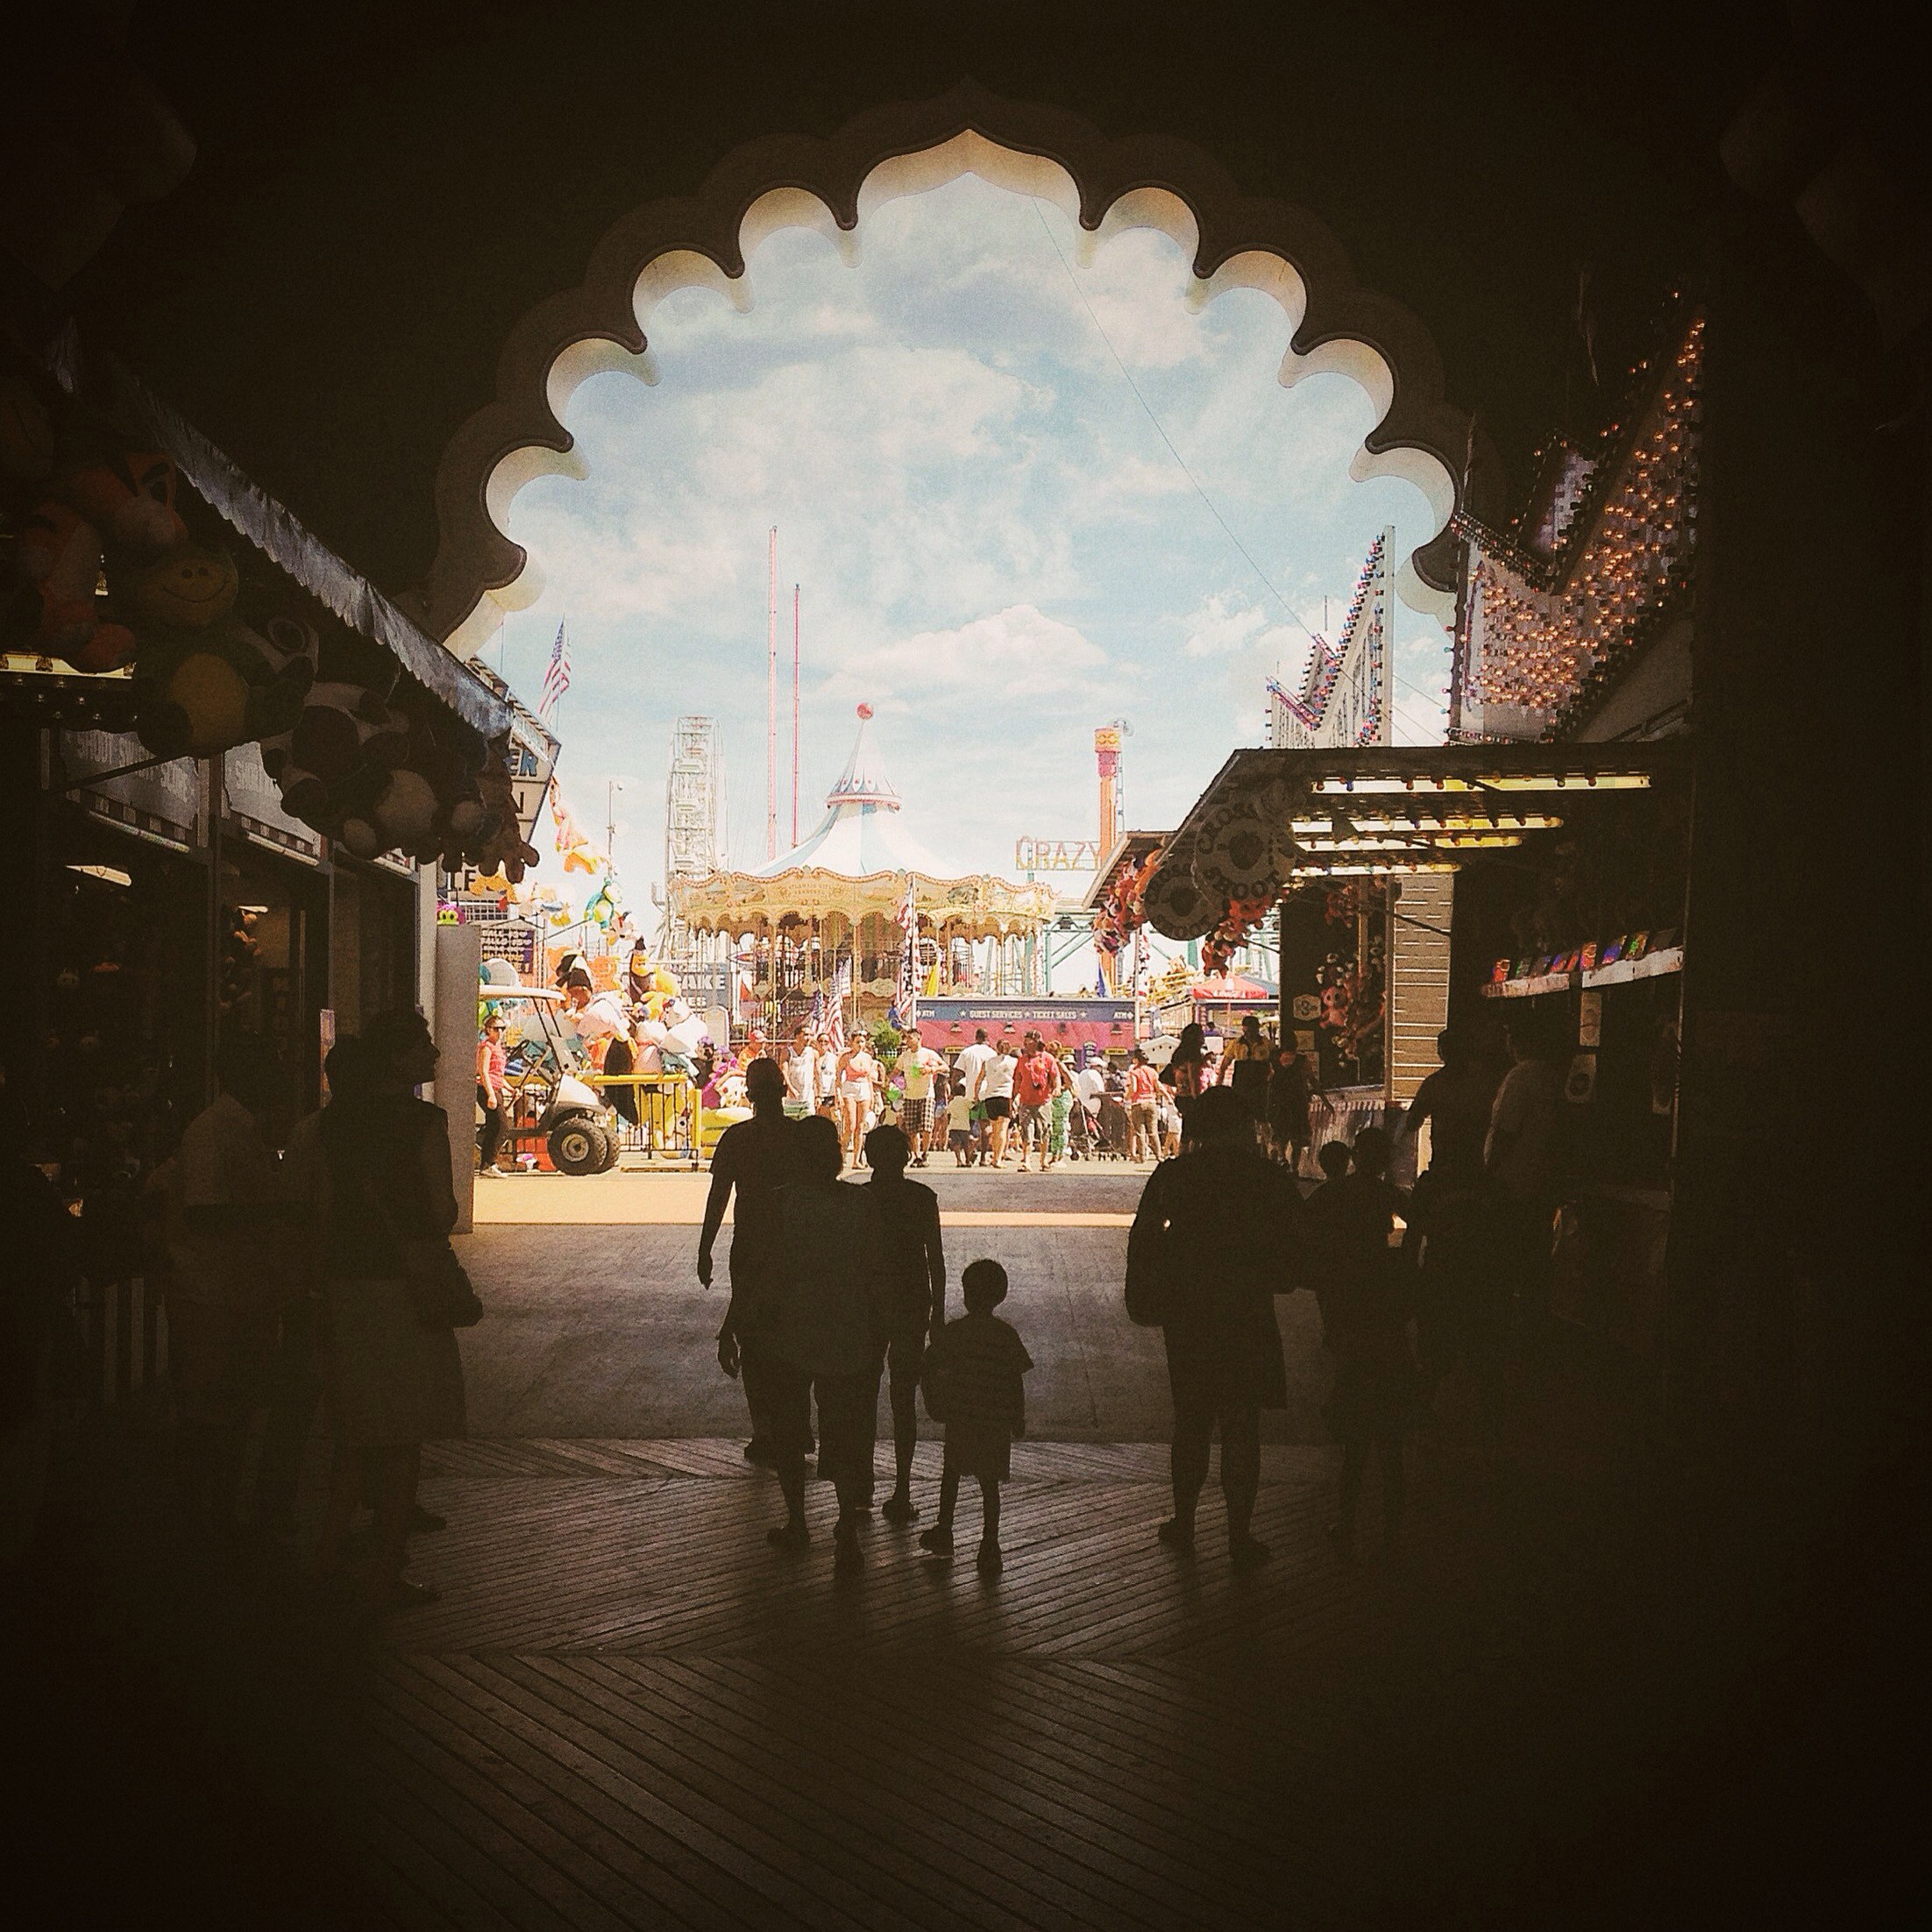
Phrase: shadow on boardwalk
x=1555 y=1702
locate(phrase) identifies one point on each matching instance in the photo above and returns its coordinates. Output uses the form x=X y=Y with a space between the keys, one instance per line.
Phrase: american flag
x=834 y=1021
x=907 y=1002
x=556 y=678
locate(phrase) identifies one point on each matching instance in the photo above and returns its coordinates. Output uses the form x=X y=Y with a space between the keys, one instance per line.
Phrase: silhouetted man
x=1218 y=1235
x=916 y=1300
x=752 y=1157
x=1520 y=1158
x=822 y=1325
x=1447 y=1211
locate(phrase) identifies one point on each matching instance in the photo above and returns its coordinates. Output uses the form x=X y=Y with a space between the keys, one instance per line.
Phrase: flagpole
x=794 y=715
x=772 y=710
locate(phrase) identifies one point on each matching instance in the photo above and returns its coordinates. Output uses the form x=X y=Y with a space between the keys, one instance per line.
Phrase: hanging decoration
x=1538 y=633
x=573 y=846
x=203 y=690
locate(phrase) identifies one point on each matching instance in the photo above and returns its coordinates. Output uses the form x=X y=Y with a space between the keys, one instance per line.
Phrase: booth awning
x=1275 y=818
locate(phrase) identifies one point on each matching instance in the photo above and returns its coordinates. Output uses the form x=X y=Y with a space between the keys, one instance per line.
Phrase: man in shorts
x=1143 y=1102
x=971 y=1071
x=1036 y=1078
x=915 y=1266
x=916 y=1065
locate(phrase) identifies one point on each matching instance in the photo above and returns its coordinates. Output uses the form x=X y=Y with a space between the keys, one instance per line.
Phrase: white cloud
x=1216 y=628
x=1018 y=652
x=940 y=434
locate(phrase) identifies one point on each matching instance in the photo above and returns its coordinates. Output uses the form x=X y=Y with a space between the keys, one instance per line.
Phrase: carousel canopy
x=856 y=863
x=861 y=832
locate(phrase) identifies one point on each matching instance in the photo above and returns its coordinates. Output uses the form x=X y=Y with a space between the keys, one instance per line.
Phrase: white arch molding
x=829 y=187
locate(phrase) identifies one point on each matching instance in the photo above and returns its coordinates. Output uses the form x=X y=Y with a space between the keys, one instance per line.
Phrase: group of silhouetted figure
x=323 y=1278
x=833 y=1287
x=326 y=1276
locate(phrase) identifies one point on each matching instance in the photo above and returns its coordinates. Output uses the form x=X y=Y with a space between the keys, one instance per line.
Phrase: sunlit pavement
x=639 y=1193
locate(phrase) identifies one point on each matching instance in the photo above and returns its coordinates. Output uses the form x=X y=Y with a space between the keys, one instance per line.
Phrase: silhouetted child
x=973 y=1385
x=1376 y=1396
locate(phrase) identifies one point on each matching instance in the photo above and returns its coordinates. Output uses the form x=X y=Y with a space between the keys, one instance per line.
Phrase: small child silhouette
x=973 y=1384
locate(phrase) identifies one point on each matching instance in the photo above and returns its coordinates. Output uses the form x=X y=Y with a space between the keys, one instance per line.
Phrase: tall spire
x=864 y=780
x=771 y=711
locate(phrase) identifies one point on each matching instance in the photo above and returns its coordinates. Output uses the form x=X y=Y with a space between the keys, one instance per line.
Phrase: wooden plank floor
x=627 y=1709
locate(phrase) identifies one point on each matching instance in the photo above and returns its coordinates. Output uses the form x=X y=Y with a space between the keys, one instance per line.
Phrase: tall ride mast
x=771 y=711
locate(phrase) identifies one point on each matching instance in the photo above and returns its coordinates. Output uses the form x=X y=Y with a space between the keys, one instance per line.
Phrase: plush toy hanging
x=59 y=565
x=189 y=588
x=81 y=497
x=101 y=502
x=336 y=757
x=571 y=845
x=202 y=691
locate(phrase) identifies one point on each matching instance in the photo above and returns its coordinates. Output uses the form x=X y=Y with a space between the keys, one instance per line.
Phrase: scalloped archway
x=829 y=185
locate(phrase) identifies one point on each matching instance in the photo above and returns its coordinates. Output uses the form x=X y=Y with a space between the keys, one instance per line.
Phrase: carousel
x=827 y=920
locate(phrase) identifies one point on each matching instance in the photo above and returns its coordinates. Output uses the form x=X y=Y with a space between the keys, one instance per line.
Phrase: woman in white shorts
x=858 y=1084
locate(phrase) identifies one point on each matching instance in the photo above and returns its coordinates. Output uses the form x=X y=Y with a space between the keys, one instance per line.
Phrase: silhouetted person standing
x=916 y=1265
x=975 y=1386
x=823 y=1318
x=752 y=1158
x=230 y=1283
x=1186 y=1072
x=44 y=1264
x=1519 y=1158
x=1288 y=1107
x=1376 y=1398
x=1244 y=1063
x=1218 y=1235
x=1447 y=1214
x=374 y=1165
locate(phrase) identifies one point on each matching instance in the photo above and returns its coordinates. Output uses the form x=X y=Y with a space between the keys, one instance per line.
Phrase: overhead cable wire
x=1181 y=462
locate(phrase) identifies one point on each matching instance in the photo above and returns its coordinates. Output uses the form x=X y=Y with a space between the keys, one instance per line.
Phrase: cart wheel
x=613 y=1147
x=577 y=1145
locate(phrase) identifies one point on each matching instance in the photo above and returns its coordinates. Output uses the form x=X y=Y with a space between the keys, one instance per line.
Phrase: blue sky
x=997 y=548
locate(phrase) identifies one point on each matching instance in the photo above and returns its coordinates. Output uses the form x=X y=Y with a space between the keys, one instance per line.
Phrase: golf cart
x=550 y=1077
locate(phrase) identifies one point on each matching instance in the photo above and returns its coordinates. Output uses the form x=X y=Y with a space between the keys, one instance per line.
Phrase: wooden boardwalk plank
x=727 y=1800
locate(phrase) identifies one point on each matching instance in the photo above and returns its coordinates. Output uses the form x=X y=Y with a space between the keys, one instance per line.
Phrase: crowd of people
x=1021 y=1095
x=831 y=1287
x=325 y=1277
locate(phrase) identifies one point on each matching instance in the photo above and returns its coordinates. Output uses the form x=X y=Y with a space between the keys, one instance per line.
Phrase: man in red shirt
x=1036 y=1079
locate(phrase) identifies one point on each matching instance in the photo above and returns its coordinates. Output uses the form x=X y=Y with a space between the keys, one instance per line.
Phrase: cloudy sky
x=998 y=549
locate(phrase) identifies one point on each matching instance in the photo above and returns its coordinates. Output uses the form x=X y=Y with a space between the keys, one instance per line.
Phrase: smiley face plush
x=187 y=588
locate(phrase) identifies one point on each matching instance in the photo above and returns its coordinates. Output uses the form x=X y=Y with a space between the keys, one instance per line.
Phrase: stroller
x=1084 y=1141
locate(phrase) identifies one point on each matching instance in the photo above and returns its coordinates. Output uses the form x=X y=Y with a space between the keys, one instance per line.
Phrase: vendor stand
x=1553 y=875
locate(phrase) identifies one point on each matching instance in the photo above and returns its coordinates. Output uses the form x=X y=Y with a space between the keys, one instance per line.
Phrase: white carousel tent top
x=854 y=866
x=861 y=832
